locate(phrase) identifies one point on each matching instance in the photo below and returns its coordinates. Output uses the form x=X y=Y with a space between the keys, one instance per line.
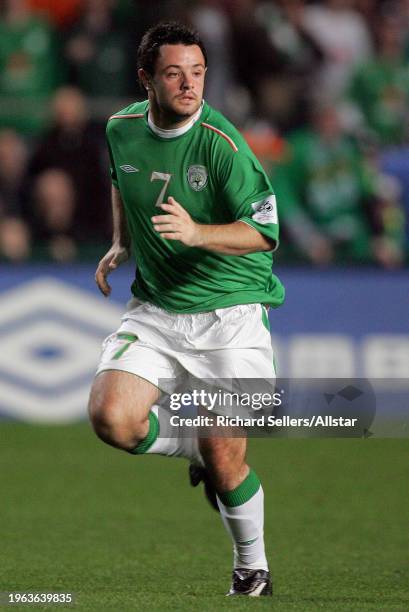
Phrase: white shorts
x=226 y=343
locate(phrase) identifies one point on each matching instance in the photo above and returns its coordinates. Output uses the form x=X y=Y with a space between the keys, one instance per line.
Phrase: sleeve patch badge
x=197 y=177
x=265 y=211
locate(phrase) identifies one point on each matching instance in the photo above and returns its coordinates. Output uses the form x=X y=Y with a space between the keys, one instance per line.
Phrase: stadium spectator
x=285 y=23
x=369 y=10
x=344 y=35
x=67 y=176
x=260 y=66
x=266 y=143
x=379 y=88
x=302 y=57
x=14 y=239
x=261 y=59
x=208 y=18
x=98 y=52
x=14 y=233
x=394 y=163
x=30 y=69
x=62 y=13
x=54 y=215
x=13 y=158
x=334 y=206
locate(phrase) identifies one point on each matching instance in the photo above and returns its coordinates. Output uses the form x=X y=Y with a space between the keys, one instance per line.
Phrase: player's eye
x=172 y=75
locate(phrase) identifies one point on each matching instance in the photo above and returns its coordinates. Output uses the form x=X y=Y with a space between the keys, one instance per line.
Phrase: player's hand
x=177 y=224
x=114 y=258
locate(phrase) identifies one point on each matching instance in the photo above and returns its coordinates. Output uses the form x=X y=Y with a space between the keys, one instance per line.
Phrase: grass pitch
x=128 y=533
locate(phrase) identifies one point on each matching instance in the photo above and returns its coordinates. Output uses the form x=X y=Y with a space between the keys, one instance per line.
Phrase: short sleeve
x=249 y=195
x=112 y=169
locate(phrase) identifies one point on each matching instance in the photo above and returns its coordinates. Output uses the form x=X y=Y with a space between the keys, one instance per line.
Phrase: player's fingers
x=116 y=259
x=100 y=279
x=162 y=218
x=172 y=236
x=166 y=227
x=170 y=207
x=114 y=263
x=173 y=205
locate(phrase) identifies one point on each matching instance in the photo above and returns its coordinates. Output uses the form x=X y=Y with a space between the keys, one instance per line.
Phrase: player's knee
x=112 y=425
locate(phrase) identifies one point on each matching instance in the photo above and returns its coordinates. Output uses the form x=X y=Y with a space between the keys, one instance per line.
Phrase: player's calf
x=225 y=461
x=240 y=499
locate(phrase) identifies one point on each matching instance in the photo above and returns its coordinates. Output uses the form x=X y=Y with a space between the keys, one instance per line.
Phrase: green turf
x=128 y=533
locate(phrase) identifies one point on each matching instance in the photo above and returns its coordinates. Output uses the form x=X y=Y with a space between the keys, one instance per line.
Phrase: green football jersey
x=213 y=174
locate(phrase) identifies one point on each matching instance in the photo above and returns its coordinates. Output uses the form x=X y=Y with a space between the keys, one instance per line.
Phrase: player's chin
x=186 y=106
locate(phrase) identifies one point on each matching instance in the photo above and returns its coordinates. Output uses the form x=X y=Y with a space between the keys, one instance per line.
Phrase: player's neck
x=166 y=121
x=179 y=128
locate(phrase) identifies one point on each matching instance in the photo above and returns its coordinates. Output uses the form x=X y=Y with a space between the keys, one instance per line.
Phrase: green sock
x=243 y=492
x=144 y=445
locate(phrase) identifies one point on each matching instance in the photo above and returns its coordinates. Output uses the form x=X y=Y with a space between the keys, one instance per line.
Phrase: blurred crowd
x=320 y=90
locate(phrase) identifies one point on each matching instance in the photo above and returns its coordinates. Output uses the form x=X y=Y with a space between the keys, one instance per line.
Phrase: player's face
x=178 y=83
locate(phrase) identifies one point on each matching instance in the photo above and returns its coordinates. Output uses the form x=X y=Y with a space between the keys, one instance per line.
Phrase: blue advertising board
x=334 y=323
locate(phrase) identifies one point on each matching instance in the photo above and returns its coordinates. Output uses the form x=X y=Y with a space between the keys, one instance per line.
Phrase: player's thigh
x=128 y=379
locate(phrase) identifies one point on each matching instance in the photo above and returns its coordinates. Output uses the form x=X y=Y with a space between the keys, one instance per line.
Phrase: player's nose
x=187 y=82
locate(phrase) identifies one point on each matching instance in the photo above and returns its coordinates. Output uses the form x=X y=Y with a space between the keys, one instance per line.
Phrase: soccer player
x=193 y=203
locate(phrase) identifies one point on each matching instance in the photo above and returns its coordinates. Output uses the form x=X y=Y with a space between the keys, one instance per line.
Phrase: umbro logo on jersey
x=128 y=168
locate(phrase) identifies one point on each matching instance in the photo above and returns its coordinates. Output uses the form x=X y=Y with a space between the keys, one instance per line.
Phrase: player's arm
x=121 y=244
x=236 y=238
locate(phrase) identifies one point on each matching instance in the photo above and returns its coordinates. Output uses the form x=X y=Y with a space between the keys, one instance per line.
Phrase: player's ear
x=144 y=78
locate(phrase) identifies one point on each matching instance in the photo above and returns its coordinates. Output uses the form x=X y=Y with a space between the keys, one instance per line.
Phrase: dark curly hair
x=165 y=33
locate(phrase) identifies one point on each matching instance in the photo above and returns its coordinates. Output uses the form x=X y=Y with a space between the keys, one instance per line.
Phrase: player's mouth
x=187 y=98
